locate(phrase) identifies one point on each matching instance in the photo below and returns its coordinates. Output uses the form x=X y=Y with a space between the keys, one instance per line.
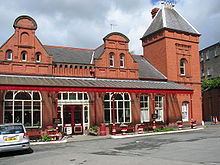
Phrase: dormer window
x=38 y=57
x=111 y=59
x=182 y=67
x=24 y=56
x=9 y=55
x=122 y=60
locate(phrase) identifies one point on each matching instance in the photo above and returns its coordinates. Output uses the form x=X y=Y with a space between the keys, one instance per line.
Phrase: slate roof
x=88 y=83
x=69 y=55
x=169 y=18
x=146 y=70
x=99 y=51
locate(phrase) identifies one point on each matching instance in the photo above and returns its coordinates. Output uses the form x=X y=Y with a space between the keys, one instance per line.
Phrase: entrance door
x=73 y=117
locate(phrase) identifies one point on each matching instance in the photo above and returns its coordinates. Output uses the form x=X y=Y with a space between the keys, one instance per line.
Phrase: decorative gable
x=116 y=61
x=27 y=55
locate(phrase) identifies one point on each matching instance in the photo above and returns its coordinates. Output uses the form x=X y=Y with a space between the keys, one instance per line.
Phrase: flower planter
x=180 y=125
x=124 y=130
x=140 y=129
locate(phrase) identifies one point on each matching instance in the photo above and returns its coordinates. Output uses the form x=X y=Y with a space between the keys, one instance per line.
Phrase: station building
x=40 y=84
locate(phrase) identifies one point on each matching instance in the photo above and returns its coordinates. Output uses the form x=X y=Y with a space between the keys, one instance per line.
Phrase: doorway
x=73 y=117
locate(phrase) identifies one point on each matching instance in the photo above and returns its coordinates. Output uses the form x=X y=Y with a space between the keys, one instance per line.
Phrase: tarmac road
x=201 y=147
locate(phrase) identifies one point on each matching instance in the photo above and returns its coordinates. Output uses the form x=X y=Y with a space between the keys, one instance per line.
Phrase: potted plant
x=93 y=130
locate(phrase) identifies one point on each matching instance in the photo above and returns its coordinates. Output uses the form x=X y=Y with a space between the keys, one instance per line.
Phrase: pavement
x=76 y=138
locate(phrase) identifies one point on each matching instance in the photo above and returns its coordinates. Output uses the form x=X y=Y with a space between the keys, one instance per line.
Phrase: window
x=182 y=67
x=111 y=59
x=207 y=55
x=117 y=106
x=69 y=96
x=159 y=107
x=9 y=55
x=185 y=111
x=38 y=56
x=144 y=105
x=201 y=57
x=122 y=60
x=24 y=56
x=23 y=107
x=209 y=71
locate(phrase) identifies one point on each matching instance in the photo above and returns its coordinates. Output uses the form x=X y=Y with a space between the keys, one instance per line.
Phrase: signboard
x=56 y=120
x=154 y=116
x=68 y=130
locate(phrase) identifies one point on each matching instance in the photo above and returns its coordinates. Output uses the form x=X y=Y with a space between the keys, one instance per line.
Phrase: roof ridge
x=163 y=17
x=98 y=47
x=68 y=47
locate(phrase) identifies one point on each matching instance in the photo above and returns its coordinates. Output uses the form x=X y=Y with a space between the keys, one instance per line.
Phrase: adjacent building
x=210 y=69
x=40 y=84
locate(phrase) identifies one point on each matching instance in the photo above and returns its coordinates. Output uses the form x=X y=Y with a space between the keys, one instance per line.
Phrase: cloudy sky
x=83 y=23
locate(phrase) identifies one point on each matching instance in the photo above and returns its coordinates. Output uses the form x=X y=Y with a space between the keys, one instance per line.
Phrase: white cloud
x=84 y=23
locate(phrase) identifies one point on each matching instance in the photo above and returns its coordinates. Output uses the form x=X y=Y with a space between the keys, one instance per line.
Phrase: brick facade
x=110 y=62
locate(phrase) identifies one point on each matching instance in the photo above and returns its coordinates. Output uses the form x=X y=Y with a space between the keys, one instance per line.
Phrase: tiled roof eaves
x=165 y=28
x=71 y=82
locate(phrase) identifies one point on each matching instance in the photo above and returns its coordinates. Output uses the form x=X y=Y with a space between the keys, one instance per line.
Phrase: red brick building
x=86 y=87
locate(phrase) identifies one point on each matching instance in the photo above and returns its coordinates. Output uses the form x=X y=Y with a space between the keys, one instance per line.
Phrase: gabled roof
x=69 y=55
x=169 y=18
x=146 y=70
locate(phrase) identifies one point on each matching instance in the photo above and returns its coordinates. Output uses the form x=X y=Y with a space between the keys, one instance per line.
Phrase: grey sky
x=84 y=23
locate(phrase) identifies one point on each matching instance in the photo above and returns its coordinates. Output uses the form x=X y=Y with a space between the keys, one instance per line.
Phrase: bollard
x=193 y=124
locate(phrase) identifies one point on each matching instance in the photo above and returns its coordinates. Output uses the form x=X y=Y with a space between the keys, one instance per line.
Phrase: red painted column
x=191 y=109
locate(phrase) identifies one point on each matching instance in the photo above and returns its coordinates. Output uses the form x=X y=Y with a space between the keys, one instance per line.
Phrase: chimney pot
x=154 y=12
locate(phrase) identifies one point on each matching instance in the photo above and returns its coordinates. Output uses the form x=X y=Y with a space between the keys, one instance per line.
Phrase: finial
x=168 y=3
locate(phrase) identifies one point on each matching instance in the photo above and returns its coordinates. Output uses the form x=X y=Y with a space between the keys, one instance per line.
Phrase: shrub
x=164 y=129
x=46 y=138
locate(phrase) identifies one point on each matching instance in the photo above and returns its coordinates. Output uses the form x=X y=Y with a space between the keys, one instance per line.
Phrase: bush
x=46 y=138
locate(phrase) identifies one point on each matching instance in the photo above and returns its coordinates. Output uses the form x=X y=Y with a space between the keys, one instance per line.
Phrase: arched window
x=9 y=55
x=24 y=56
x=23 y=107
x=117 y=107
x=185 y=111
x=111 y=59
x=182 y=67
x=122 y=60
x=144 y=105
x=38 y=57
x=159 y=107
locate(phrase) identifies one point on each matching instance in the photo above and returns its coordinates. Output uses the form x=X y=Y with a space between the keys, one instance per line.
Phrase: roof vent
x=154 y=12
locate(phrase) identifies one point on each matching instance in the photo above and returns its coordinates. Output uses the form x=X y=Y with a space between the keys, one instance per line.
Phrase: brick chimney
x=154 y=12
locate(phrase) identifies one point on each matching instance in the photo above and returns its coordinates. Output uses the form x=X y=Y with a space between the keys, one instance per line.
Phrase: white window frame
x=76 y=101
x=9 y=57
x=111 y=59
x=122 y=58
x=159 y=108
x=110 y=102
x=23 y=54
x=14 y=100
x=185 y=111
x=182 y=67
x=38 y=57
x=144 y=106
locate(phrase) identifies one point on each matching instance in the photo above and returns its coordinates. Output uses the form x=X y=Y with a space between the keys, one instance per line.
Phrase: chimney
x=154 y=12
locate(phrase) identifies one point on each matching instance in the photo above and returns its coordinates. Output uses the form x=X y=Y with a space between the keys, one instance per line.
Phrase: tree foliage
x=208 y=84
